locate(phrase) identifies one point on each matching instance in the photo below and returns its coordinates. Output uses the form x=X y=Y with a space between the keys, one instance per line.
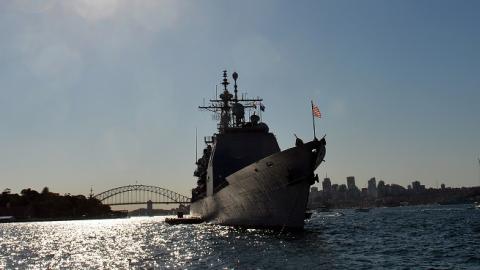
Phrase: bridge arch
x=140 y=194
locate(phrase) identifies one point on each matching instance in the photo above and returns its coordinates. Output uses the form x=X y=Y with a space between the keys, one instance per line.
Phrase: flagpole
x=313 y=121
x=479 y=171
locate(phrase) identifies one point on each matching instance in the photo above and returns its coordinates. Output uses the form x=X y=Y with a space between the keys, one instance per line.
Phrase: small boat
x=5 y=219
x=183 y=220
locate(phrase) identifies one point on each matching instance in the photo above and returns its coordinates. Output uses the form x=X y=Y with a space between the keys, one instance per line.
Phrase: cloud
x=93 y=10
x=150 y=15
x=155 y=15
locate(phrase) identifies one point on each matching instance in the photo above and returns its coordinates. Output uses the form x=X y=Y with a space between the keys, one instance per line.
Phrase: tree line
x=31 y=204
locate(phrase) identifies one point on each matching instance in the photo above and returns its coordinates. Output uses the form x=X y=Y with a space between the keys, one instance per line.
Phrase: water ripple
x=385 y=238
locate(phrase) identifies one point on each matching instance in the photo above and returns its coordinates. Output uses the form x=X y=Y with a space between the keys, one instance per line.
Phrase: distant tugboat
x=244 y=179
x=183 y=220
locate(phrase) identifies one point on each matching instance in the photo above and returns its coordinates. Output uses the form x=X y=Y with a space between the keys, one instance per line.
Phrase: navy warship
x=243 y=178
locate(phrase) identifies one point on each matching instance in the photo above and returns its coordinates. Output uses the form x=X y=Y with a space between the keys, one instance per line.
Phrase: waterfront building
x=342 y=191
x=417 y=187
x=327 y=186
x=353 y=193
x=149 y=208
x=381 y=188
x=397 y=190
x=372 y=187
x=314 y=195
x=351 y=183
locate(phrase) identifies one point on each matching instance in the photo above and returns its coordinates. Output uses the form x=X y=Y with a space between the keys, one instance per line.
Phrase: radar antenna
x=229 y=108
x=235 y=77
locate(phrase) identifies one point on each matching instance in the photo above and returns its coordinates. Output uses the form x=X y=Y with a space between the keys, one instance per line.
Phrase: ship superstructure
x=243 y=178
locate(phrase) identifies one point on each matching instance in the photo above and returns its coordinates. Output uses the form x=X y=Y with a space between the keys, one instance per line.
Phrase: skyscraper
x=326 y=185
x=351 y=183
x=417 y=187
x=372 y=187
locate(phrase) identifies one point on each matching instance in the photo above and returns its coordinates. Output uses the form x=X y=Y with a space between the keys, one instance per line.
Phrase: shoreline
x=386 y=206
x=31 y=220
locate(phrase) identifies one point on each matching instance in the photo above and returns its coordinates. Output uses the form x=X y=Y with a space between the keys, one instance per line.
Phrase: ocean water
x=422 y=237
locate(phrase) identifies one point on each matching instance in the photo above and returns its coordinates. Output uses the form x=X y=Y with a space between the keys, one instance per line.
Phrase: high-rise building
x=342 y=192
x=372 y=187
x=417 y=187
x=326 y=185
x=351 y=183
x=381 y=190
x=314 y=195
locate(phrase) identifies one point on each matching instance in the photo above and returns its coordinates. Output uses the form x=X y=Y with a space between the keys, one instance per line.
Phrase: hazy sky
x=104 y=93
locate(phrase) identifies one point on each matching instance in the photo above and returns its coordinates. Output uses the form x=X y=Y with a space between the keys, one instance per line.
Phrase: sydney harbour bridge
x=140 y=194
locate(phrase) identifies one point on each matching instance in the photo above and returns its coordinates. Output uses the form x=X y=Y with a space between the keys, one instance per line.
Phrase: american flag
x=316 y=111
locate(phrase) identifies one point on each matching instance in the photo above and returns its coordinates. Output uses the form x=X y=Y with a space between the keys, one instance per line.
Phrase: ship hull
x=270 y=193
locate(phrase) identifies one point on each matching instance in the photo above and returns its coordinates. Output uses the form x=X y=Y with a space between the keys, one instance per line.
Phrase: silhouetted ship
x=244 y=179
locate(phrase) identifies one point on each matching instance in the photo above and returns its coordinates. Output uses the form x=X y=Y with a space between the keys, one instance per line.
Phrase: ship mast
x=229 y=107
x=225 y=97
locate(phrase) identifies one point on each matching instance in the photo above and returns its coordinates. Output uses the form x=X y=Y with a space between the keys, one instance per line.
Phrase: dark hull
x=272 y=192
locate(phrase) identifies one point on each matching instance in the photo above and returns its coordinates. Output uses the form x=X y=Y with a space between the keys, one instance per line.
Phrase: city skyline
x=105 y=93
x=351 y=184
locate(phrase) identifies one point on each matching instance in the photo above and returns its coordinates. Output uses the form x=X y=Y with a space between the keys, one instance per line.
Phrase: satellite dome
x=254 y=119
